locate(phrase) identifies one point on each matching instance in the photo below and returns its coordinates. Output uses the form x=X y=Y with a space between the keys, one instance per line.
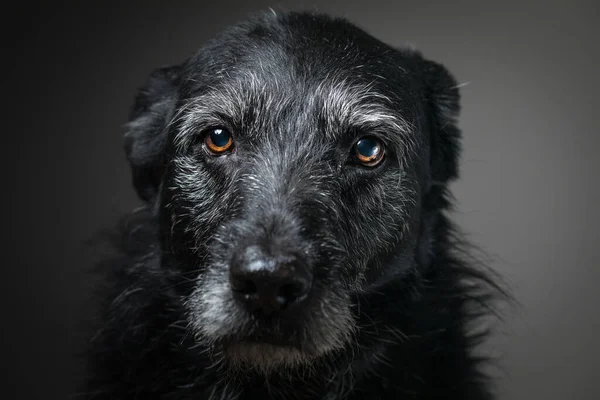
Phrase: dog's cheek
x=197 y=201
x=212 y=312
x=379 y=217
x=331 y=325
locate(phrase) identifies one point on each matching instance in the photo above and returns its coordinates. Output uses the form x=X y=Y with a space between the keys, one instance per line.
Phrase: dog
x=294 y=241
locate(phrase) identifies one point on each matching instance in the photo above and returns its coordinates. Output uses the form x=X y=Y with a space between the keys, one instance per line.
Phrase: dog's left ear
x=146 y=134
x=443 y=100
x=443 y=106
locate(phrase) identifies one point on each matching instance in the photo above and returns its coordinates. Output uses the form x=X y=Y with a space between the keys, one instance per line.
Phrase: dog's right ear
x=146 y=133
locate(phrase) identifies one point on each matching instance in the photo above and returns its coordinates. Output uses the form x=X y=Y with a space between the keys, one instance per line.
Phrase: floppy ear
x=145 y=137
x=444 y=105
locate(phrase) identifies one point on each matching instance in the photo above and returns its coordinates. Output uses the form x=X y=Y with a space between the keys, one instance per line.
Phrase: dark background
x=529 y=190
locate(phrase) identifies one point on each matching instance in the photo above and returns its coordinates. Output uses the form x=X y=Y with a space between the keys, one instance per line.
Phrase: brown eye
x=218 y=140
x=369 y=151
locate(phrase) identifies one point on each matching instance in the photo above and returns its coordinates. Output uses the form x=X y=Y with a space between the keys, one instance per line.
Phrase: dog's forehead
x=300 y=50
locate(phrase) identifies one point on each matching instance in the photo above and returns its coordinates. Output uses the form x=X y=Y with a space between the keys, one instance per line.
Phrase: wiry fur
x=397 y=305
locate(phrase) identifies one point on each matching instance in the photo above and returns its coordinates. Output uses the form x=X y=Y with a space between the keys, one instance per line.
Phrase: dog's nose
x=269 y=284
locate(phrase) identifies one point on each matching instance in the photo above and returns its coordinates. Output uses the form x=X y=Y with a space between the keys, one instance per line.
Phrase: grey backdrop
x=528 y=194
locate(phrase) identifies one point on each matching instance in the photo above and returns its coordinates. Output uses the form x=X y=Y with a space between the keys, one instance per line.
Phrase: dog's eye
x=369 y=151
x=218 y=140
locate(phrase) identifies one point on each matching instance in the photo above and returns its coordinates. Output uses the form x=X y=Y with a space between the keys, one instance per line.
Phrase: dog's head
x=289 y=164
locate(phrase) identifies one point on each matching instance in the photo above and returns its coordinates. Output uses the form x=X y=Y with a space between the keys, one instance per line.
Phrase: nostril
x=290 y=292
x=244 y=286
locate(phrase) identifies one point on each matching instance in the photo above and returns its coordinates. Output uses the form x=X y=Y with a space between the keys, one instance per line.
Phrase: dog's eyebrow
x=231 y=99
x=341 y=104
x=348 y=105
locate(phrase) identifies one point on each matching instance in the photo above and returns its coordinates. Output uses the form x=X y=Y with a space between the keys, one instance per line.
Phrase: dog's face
x=287 y=163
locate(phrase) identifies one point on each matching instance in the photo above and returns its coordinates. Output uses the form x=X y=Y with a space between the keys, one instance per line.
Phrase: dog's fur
x=395 y=306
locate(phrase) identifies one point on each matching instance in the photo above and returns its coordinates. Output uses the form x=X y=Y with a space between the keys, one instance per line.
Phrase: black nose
x=266 y=283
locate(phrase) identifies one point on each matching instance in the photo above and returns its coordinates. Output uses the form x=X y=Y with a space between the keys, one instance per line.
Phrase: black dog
x=294 y=242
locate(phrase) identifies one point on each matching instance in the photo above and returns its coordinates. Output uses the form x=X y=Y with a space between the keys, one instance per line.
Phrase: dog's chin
x=267 y=357
x=271 y=355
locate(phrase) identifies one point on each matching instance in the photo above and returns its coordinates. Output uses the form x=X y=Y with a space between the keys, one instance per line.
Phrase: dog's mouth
x=285 y=334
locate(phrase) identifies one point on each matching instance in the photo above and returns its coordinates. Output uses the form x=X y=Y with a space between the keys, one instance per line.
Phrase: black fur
x=405 y=298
